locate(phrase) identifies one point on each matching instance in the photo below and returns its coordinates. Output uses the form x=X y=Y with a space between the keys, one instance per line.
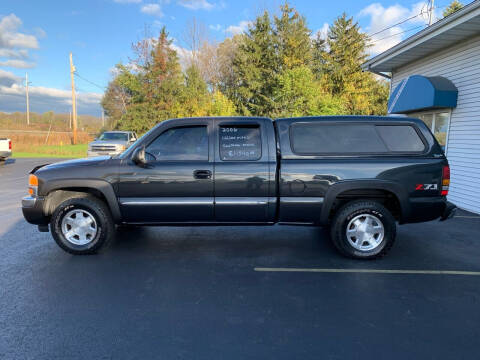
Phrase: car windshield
x=113 y=136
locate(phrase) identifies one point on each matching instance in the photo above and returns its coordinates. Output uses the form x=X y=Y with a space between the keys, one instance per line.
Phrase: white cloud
x=14 y=53
x=217 y=27
x=323 y=31
x=8 y=79
x=196 y=4
x=11 y=38
x=152 y=9
x=19 y=64
x=12 y=97
x=381 y=18
x=184 y=55
x=240 y=28
x=14 y=45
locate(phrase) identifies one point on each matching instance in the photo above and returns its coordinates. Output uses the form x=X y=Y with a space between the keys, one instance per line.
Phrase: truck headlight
x=32 y=185
x=121 y=147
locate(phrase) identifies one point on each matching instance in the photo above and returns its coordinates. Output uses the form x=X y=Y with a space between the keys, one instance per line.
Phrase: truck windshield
x=113 y=136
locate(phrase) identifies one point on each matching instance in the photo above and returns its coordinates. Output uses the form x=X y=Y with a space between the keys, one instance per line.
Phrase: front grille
x=104 y=148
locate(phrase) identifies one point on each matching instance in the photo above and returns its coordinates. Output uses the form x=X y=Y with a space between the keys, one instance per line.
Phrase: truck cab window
x=240 y=143
x=181 y=143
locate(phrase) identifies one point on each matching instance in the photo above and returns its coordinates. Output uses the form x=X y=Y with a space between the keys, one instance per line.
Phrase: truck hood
x=94 y=161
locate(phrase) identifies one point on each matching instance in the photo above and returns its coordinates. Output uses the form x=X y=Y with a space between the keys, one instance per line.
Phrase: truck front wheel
x=82 y=225
x=363 y=229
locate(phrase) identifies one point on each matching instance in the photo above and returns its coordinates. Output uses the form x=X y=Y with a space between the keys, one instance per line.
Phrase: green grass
x=57 y=151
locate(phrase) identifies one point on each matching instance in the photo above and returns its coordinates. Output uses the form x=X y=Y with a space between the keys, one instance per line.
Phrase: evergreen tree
x=343 y=75
x=292 y=38
x=319 y=53
x=255 y=66
x=454 y=6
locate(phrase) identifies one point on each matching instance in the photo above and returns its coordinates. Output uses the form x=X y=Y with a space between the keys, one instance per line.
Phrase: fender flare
x=101 y=185
x=340 y=187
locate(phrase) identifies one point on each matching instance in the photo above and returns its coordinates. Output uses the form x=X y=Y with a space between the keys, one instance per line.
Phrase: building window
x=438 y=124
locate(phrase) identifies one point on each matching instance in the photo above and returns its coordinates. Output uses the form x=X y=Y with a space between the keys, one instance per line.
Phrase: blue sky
x=37 y=36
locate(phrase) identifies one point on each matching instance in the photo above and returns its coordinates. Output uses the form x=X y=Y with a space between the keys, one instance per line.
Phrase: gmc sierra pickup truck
x=359 y=175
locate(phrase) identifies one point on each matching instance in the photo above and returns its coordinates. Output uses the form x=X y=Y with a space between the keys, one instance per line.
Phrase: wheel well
x=385 y=197
x=56 y=197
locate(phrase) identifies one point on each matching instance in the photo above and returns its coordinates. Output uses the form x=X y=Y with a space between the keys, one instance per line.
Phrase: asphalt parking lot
x=193 y=292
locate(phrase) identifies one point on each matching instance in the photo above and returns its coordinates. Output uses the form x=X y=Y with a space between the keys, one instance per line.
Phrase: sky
x=36 y=37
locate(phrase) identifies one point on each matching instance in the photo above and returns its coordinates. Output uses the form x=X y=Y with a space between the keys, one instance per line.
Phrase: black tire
x=105 y=226
x=352 y=210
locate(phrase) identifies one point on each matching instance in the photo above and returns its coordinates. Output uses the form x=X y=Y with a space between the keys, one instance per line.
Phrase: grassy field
x=57 y=151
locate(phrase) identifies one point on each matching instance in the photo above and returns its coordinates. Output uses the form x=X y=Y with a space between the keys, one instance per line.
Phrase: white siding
x=461 y=65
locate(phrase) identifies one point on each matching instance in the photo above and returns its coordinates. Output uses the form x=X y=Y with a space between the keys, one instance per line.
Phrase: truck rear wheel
x=363 y=229
x=82 y=225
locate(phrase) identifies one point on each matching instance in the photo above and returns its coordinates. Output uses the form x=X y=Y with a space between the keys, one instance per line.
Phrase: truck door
x=176 y=185
x=244 y=170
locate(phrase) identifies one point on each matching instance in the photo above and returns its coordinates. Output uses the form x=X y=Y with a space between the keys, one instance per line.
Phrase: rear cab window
x=350 y=138
x=240 y=142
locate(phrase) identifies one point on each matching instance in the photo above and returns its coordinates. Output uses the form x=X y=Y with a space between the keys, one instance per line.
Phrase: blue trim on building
x=417 y=93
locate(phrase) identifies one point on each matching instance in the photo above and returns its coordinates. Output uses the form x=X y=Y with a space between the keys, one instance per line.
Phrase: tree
x=255 y=66
x=319 y=53
x=454 y=6
x=341 y=69
x=299 y=94
x=292 y=38
x=225 y=56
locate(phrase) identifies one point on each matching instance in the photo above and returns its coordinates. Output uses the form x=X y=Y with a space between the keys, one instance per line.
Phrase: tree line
x=277 y=68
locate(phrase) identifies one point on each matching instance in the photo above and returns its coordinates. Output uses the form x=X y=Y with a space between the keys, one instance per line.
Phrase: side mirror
x=138 y=156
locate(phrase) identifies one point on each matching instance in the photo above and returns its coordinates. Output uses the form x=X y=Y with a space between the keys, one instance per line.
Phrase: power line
x=423 y=11
x=394 y=25
x=89 y=81
x=401 y=32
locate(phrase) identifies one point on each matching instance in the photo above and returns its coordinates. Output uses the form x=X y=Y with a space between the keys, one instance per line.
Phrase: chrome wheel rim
x=79 y=227
x=365 y=232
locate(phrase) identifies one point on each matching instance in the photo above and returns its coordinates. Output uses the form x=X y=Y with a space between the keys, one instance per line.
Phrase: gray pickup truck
x=358 y=175
x=111 y=143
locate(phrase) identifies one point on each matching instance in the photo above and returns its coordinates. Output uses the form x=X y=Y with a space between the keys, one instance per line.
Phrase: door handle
x=202 y=174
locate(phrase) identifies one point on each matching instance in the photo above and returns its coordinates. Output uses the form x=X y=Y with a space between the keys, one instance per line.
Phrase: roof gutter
x=379 y=73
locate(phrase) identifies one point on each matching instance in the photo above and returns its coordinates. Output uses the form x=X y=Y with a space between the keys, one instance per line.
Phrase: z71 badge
x=426 y=187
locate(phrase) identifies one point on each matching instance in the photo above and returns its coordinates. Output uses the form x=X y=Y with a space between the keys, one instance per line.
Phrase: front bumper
x=32 y=208
x=102 y=153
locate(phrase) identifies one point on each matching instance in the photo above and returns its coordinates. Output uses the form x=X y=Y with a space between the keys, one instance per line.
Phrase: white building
x=435 y=76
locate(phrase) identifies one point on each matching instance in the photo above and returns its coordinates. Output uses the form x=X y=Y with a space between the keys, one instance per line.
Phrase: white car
x=5 y=149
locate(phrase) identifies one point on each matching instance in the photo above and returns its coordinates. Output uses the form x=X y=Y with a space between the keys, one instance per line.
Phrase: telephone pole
x=74 y=100
x=430 y=16
x=28 y=103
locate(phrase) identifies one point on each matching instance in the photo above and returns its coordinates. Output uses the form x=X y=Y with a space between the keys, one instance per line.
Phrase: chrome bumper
x=103 y=153
x=29 y=202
